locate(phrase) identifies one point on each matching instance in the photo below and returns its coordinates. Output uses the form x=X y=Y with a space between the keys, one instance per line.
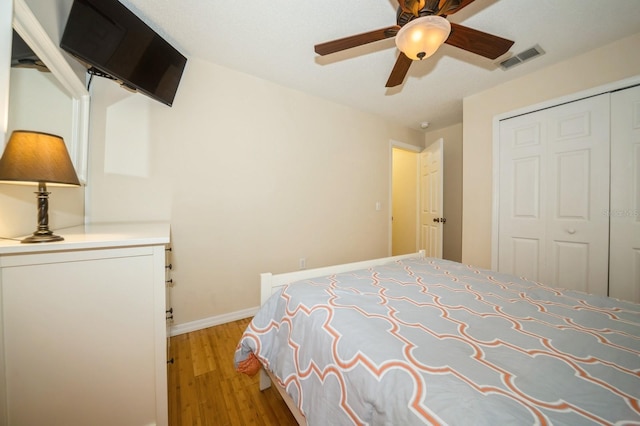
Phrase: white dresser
x=83 y=332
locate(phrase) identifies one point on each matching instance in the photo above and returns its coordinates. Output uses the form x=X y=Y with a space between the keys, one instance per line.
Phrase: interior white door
x=554 y=190
x=431 y=199
x=624 y=213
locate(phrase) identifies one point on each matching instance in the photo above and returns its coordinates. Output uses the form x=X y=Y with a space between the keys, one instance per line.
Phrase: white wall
x=452 y=200
x=252 y=176
x=614 y=62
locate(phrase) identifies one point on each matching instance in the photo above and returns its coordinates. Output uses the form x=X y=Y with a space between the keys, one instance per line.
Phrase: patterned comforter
x=426 y=341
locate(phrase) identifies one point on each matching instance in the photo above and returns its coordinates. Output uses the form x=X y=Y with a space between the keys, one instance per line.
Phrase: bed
x=410 y=340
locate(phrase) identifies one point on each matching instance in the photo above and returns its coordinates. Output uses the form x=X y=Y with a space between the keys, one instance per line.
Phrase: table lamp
x=38 y=158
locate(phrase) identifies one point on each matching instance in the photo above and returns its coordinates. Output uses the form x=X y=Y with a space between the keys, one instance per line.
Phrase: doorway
x=416 y=194
x=404 y=200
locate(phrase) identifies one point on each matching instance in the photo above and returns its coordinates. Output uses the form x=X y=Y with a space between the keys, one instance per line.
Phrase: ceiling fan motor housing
x=409 y=10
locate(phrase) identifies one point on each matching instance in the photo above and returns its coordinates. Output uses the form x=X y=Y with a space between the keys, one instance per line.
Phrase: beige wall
x=252 y=176
x=611 y=63
x=452 y=200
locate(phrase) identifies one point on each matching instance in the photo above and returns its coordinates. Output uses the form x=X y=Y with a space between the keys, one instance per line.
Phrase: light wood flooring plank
x=205 y=389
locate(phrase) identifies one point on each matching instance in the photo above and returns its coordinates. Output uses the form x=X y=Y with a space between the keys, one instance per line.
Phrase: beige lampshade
x=421 y=37
x=33 y=157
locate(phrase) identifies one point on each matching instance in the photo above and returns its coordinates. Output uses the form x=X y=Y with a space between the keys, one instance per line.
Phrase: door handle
x=439 y=219
x=436 y=219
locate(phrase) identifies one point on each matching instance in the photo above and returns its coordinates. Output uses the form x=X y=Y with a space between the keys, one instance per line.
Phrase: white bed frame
x=270 y=283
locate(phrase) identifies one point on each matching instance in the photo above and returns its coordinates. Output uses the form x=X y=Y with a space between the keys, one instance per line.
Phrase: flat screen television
x=106 y=35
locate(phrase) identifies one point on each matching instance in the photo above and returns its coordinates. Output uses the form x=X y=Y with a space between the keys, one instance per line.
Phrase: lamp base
x=42 y=237
x=43 y=234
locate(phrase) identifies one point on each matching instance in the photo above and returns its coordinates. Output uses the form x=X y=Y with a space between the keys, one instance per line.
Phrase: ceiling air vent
x=521 y=57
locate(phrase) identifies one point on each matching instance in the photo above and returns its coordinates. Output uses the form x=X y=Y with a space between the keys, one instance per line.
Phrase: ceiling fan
x=413 y=14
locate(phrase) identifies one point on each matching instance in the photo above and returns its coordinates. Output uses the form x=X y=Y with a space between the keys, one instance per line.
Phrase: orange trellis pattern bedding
x=427 y=341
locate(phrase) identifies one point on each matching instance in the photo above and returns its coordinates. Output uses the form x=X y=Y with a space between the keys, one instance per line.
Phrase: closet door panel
x=624 y=214
x=526 y=188
x=554 y=186
x=572 y=196
x=522 y=188
x=525 y=259
x=571 y=265
x=578 y=170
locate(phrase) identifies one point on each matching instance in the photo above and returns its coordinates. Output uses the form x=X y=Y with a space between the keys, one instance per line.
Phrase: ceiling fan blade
x=355 y=40
x=463 y=3
x=399 y=71
x=478 y=42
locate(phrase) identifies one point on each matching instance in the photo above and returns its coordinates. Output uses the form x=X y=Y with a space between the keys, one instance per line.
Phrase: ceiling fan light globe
x=421 y=37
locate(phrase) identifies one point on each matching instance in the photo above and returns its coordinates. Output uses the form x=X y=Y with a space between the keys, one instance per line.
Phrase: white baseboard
x=211 y=321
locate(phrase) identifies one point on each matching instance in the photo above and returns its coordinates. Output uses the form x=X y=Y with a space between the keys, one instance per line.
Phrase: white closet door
x=523 y=193
x=624 y=276
x=554 y=192
x=578 y=166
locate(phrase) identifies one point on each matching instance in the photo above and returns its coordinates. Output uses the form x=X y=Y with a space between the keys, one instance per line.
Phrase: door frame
x=610 y=87
x=407 y=147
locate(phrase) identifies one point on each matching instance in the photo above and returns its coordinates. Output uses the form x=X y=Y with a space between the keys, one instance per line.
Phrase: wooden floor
x=204 y=388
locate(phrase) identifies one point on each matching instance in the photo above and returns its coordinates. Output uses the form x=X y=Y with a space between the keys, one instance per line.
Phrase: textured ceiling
x=274 y=40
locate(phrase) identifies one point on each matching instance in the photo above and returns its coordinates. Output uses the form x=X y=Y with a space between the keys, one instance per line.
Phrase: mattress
x=428 y=341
